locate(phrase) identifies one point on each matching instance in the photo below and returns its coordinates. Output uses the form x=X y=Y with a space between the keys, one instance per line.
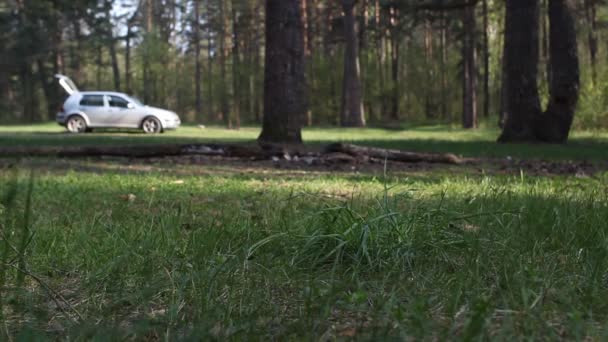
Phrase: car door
x=95 y=107
x=123 y=113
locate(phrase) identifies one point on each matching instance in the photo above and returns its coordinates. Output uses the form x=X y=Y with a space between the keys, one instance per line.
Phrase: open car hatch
x=67 y=84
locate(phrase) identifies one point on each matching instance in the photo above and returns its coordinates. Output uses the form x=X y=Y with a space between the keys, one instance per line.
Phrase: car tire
x=76 y=124
x=151 y=125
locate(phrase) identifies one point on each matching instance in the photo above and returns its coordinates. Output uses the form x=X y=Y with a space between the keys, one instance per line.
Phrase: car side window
x=92 y=101
x=116 y=101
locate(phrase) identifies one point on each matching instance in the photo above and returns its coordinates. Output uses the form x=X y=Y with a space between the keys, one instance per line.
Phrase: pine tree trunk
x=554 y=124
x=236 y=103
x=522 y=103
x=198 y=103
x=469 y=90
x=591 y=18
x=114 y=61
x=224 y=108
x=486 y=61
x=524 y=121
x=128 y=60
x=284 y=79
x=352 y=105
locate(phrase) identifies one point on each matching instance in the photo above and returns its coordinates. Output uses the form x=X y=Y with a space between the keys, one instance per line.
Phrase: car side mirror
x=130 y=105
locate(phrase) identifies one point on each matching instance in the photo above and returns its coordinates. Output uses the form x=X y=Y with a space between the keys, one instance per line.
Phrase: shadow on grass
x=584 y=148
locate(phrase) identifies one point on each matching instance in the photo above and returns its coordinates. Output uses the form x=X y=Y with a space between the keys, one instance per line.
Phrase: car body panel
x=107 y=109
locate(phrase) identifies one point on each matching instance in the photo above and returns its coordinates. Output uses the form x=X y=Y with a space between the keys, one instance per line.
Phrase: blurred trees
x=419 y=61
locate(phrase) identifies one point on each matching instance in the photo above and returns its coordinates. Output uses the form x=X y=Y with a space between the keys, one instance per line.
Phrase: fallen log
x=251 y=152
x=393 y=155
x=142 y=151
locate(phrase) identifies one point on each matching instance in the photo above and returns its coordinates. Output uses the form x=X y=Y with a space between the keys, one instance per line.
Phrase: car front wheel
x=151 y=125
x=76 y=124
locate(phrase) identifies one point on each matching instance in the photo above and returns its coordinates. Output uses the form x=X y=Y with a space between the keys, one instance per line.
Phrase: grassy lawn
x=479 y=143
x=117 y=249
x=144 y=254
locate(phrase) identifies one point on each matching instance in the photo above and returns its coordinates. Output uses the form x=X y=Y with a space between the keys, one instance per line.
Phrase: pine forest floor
x=512 y=247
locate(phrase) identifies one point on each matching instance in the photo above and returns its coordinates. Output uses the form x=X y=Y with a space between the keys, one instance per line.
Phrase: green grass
x=265 y=255
x=478 y=143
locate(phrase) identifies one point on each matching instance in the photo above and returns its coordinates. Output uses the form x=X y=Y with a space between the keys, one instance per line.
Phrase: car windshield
x=135 y=100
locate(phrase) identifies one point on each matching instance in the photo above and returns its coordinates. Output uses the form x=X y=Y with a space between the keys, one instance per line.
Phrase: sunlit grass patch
x=148 y=254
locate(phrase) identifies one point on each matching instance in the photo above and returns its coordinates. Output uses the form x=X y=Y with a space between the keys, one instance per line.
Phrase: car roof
x=102 y=93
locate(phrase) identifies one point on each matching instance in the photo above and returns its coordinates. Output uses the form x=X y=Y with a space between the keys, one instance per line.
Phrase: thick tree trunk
x=469 y=76
x=522 y=103
x=554 y=124
x=284 y=80
x=352 y=114
x=524 y=121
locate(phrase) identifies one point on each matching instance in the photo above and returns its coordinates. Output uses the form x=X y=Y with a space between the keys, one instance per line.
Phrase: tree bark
x=394 y=51
x=128 y=59
x=486 y=61
x=236 y=103
x=114 y=61
x=284 y=80
x=352 y=113
x=525 y=122
x=469 y=78
x=224 y=108
x=554 y=124
x=591 y=18
x=198 y=102
x=522 y=103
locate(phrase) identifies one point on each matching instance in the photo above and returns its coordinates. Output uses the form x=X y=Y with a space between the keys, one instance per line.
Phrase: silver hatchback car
x=85 y=110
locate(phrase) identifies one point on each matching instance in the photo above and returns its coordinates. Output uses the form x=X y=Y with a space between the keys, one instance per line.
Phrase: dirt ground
x=331 y=164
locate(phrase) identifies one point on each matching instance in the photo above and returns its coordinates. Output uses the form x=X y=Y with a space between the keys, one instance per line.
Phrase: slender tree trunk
x=224 y=108
x=486 y=61
x=469 y=78
x=75 y=62
x=352 y=104
x=114 y=61
x=128 y=60
x=591 y=18
x=50 y=95
x=443 y=69
x=284 y=80
x=394 y=52
x=99 y=61
x=236 y=68
x=308 y=40
x=198 y=103
x=210 y=53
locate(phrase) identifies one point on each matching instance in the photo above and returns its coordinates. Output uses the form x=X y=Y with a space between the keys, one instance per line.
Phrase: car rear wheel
x=151 y=125
x=76 y=124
